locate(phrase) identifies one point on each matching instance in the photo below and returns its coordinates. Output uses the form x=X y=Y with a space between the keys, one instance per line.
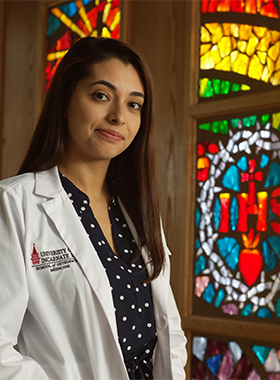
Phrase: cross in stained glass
x=251 y=177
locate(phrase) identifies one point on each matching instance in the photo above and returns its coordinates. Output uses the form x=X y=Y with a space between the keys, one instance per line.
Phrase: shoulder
x=18 y=181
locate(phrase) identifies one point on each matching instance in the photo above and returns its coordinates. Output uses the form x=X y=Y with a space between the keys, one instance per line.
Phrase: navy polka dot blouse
x=131 y=295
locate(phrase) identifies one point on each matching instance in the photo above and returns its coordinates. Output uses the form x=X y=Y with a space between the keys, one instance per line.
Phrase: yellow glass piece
x=275 y=79
x=106 y=11
x=204 y=48
x=252 y=44
x=202 y=86
x=206 y=61
x=224 y=6
x=263 y=45
x=202 y=163
x=56 y=55
x=241 y=46
x=255 y=68
x=259 y=31
x=233 y=43
x=83 y=14
x=234 y=30
x=262 y=56
x=204 y=35
x=66 y=21
x=245 y=32
x=217 y=32
x=274 y=51
x=276 y=120
x=270 y=66
x=224 y=65
x=225 y=46
x=94 y=33
x=265 y=77
x=240 y=64
x=226 y=28
x=245 y=87
x=106 y=33
x=275 y=36
x=116 y=21
x=233 y=55
x=277 y=65
x=97 y=2
x=216 y=54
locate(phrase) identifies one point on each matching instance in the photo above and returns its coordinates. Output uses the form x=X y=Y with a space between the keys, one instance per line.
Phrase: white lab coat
x=56 y=305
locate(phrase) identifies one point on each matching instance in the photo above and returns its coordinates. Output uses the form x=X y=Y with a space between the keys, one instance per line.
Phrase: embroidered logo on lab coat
x=53 y=260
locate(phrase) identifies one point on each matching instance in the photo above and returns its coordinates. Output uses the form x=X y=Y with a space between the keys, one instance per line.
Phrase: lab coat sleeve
x=177 y=337
x=13 y=290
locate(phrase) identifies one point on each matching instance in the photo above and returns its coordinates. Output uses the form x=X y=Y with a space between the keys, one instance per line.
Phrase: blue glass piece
x=197 y=217
x=200 y=265
x=243 y=164
x=53 y=24
x=271 y=214
x=199 y=347
x=264 y=313
x=219 y=298
x=226 y=245
x=233 y=257
x=69 y=9
x=231 y=178
x=273 y=175
x=270 y=259
x=247 y=310
x=214 y=363
x=234 y=213
x=209 y=293
x=261 y=352
x=264 y=160
x=277 y=307
x=86 y=1
x=274 y=242
x=217 y=214
x=197 y=243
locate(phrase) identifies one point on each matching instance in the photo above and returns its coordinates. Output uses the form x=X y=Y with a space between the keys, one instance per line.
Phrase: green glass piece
x=247 y=310
x=235 y=87
x=208 y=93
x=224 y=127
x=225 y=87
x=234 y=122
x=216 y=126
x=264 y=119
x=249 y=121
x=277 y=307
x=206 y=126
x=217 y=86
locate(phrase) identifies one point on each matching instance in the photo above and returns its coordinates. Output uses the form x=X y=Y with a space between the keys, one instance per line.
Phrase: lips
x=110 y=134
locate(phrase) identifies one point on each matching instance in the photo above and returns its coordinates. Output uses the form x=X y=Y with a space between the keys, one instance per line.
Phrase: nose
x=116 y=114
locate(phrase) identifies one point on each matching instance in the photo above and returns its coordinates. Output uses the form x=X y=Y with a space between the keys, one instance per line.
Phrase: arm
x=14 y=292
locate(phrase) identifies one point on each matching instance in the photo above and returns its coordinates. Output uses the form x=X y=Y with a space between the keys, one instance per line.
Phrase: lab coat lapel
x=60 y=210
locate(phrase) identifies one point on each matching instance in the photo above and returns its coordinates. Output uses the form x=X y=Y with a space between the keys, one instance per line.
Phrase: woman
x=85 y=270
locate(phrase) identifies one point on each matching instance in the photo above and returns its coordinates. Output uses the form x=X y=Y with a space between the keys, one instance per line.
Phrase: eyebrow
x=112 y=87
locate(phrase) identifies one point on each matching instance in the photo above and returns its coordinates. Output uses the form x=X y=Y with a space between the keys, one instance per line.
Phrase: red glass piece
x=116 y=32
x=204 y=6
x=215 y=347
x=225 y=203
x=92 y=16
x=213 y=148
x=212 y=7
x=252 y=165
x=244 y=177
x=275 y=206
x=203 y=174
x=250 y=264
x=237 y=6
x=250 y=6
x=111 y=16
x=243 y=369
x=201 y=148
x=224 y=6
x=276 y=227
x=82 y=26
x=262 y=211
x=269 y=10
x=242 y=200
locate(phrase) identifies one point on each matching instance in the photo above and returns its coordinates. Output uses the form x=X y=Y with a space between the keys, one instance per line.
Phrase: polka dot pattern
x=131 y=295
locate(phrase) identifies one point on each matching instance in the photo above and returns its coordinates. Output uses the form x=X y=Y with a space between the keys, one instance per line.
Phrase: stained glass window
x=238 y=215
x=224 y=360
x=77 y=19
x=239 y=47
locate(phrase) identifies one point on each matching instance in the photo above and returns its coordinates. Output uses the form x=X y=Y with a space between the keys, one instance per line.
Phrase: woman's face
x=104 y=112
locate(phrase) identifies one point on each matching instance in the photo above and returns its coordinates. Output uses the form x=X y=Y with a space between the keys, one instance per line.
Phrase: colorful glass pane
x=238 y=216
x=213 y=359
x=248 y=53
x=74 y=20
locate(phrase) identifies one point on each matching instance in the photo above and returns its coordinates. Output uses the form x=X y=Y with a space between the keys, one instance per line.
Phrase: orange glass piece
x=263 y=45
x=202 y=163
x=204 y=48
x=242 y=200
x=262 y=211
x=226 y=28
x=245 y=31
x=259 y=31
x=225 y=203
x=224 y=6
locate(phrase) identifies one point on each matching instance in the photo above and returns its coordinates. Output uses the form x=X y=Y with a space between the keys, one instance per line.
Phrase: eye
x=100 y=96
x=135 y=105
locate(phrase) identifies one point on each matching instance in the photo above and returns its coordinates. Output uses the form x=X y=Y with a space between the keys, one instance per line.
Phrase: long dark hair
x=133 y=171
